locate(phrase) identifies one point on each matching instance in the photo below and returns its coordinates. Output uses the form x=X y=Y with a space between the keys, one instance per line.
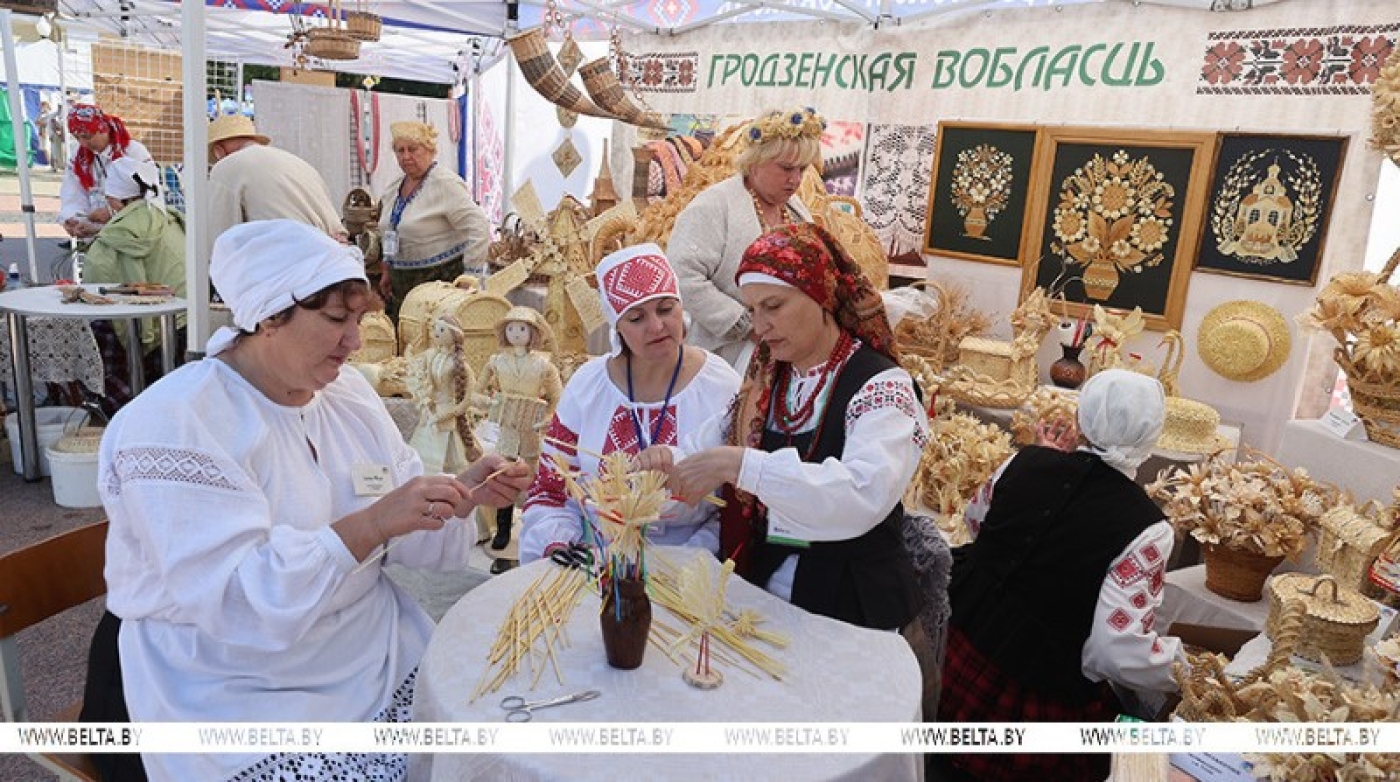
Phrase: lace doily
x=60 y=350
x=899 y=159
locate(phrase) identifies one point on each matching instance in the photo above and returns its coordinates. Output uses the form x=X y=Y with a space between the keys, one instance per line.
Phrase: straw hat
x=1244 y=340
x=227 y=126
x=1191 y=427
x=544 y=335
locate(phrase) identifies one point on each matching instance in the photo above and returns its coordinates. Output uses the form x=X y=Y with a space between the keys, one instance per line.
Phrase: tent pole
x=21 y=138
x=508 y=126
x=196 y=175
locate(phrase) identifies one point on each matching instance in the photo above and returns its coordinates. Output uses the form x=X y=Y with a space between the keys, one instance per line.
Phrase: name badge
x=389 y=244
x=371 y=480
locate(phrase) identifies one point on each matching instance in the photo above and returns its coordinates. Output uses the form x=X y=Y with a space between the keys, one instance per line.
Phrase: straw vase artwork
x=1385 y=108
x=1362 y=313
x=1248 y=516
x=625 y=501
x=981 y=187
x=1113 y=217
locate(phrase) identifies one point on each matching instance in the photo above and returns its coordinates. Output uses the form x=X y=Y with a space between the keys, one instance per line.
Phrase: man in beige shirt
x=253 y=181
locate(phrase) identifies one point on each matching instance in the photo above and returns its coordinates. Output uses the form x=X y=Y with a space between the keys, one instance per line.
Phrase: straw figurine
x=705 y=600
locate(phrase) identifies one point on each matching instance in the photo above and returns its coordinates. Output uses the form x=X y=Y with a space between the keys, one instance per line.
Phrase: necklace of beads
x=790 y=421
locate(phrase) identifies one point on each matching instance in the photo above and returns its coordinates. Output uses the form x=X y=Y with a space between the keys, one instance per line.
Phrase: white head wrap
x=129 y=178
x=263 y=267
x=1120 y=414
x=759 y=278
x=632 y=276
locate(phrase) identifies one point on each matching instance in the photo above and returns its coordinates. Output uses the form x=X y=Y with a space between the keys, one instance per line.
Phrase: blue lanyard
x=642 y=442
x=401 y=203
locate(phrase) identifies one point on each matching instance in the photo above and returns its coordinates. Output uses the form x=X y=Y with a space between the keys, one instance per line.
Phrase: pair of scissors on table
x=577 y=556
x=518 y=710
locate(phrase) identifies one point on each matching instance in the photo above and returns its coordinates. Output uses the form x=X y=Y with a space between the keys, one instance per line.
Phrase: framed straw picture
x=1270 y=202
x=979 y=190
x=1117 y=215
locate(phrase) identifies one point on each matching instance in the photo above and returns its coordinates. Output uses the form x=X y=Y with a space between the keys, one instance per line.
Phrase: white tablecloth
x=1186 y=599
x=836 y=672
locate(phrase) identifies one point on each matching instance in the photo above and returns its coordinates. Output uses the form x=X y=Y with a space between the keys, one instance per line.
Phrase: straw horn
x=605 y=90
x=544 y=73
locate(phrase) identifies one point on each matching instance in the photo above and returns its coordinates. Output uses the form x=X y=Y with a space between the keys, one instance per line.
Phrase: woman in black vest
x=1056 y=598
x=822 y=440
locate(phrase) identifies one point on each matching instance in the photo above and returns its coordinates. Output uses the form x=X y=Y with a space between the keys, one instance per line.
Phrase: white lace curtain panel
x=60 y=350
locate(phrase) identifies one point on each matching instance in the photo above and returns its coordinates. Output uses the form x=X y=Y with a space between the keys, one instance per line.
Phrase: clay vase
x=626 y=623
x=1068 y=371
x=975 y=224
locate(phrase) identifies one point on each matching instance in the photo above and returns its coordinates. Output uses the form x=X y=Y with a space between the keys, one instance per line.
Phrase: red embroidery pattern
x=1139 y=600
x=1119 y=620
x=622 y=435
x=660 y=72
x=1342 y=60
x=1151 y=553
x=1155 y=580
x=1127 y=572
x=1149 y=620
x=548 y=489
x=887 y=393
x=639 y=278
x=1157 y=646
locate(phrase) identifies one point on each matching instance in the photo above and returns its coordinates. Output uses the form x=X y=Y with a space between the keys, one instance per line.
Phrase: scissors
x=576 y=556
x=517 y=710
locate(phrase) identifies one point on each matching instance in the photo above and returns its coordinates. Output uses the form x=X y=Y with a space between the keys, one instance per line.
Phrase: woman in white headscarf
x=252 y=498
x=650 y=390
x=1056 y=598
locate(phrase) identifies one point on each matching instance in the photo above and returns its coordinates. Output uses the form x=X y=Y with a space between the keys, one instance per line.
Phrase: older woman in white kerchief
x=1057 y=597
x=252 y=496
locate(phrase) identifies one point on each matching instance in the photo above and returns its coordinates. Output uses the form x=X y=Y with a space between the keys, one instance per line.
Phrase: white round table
x=836 y=672
x=46 y=301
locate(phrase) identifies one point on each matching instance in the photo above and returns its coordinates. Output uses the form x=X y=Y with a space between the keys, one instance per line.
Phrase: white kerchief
x=1120 y=414
x=632 y=276
x=129 y=178
x=263 y=267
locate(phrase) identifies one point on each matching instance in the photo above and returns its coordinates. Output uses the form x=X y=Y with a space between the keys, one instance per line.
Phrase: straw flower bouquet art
x=1248 y=516
x=1362 y=313
x=1113 y=217
x=981 y=187
x=625 y=501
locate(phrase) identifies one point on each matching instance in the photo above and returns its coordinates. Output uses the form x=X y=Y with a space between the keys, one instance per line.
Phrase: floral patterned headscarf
x=809 y=259
x=85 y=118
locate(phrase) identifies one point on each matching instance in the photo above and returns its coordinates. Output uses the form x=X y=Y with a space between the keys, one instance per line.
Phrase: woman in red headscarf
x=822 y=440
x=102 y=138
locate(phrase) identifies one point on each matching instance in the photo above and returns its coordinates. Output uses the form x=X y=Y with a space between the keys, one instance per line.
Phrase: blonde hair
x=798 y=151
x=419 y=133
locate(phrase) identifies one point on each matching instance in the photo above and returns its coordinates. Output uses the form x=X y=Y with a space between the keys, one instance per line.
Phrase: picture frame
x=1117 y=213
x=1269 y=206
x=979 y=190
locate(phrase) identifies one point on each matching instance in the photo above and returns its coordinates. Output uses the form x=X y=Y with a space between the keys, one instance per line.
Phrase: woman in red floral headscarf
x=822 y=440
x=102 y=138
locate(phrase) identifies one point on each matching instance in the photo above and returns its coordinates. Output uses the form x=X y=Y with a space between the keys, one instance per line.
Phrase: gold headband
x=416 y=132
x=793 y=124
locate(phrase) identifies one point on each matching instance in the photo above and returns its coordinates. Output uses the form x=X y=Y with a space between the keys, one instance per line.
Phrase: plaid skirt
x=976 y=690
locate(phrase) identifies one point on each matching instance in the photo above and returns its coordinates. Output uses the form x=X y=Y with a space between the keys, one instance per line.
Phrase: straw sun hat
x=227 y=126
x=1244 y=340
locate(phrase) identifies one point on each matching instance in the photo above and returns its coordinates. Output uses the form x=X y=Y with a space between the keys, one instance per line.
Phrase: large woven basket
x=331 y=44
x=1337 y=620
x=1377 y=404
x=84 y=439
x=1238 y=575
x=363 y=26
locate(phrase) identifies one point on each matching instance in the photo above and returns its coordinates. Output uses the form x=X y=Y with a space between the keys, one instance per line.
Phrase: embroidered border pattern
x=662 y=71
x=1341 y=60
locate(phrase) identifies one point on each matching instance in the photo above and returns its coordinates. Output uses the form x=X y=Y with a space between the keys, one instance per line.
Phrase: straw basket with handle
x=1336 y=620
x=363 y=26
x=331 y=43
x=1349 y=539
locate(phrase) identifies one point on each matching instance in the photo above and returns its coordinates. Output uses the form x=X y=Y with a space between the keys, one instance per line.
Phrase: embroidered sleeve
x=170 y=465
x=981 y=502
x=893 y=392
x=550 y=515
x=1123 y=645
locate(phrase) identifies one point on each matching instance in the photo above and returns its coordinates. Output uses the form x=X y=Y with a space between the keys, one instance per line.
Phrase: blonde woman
x=431 y=228
x=442 y=382
x=711 y=234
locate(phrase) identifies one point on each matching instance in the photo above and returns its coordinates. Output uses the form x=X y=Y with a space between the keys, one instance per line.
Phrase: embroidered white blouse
x=836 y=499
x=74 y=200
x=238 y=601
x=1123 y=646
x=596 y=415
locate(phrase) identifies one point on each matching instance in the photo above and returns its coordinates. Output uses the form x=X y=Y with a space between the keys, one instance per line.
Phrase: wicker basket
x=329 y=43
x=1337 y=620
x=1376 y=403
x=988 y=357
x=363 y=26
x=1238 y=575
x=84 y=439
x=1349 y=540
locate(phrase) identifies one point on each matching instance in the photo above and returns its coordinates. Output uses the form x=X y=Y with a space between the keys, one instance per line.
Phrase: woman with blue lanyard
x=431 y=226
x=650 y=390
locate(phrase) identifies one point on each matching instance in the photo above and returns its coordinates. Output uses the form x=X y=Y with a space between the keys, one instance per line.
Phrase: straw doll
x=522 y=386
x=441 y=381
